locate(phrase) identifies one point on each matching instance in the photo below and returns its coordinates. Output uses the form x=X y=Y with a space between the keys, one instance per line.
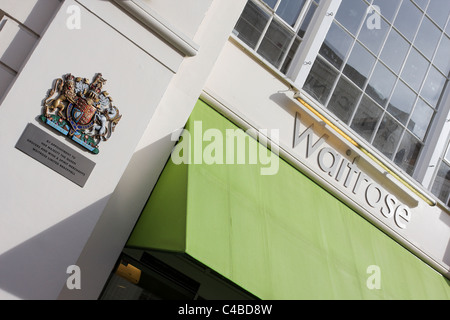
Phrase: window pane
x=428 y=38
x=402 y=102
x=408 y=153
x=359 y=65
x=336 y=45
x=275 y=43
x=290 y=55
x=421 y=119
x=351 y=13
x=439 y=11
x=381 y=84
x=434 y=85
x=388 y=136
x=271 y=3
x=366 y=118
x=408 y=19
x=251 y=24
x=395 y=51
x=320 y=81
x=307 y=19
x=373 y=37
x=289 y=10
x=441 y=186
x=421 y=3
x=415 y=69
x=344 y=100
x=442 y=59
x=388 y=8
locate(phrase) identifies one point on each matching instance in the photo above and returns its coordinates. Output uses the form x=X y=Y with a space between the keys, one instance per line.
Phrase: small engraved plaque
x=44 y=148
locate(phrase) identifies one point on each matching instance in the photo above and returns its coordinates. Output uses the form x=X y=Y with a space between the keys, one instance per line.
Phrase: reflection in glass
x=344 y=100
x=271 y=3
x=433 y=87
x=388 y=136
x=442 y=60
x=395 y=51
x=408 y=153
x=359 y=65
x=290 y=56
x=275 y=43
x=439 y=11
x=441 y=186
x=408 y=19
x=374 y=38
x=336 y=45
x=289 y=10
x=251 y=24
x=388 y=8
x=320 y=81
x=307 y=19
x=366 y=118
x=427 y=38
x=381 y=84
x=415 y=69
x=421 y=119
x=351 y=13
x=402 y=102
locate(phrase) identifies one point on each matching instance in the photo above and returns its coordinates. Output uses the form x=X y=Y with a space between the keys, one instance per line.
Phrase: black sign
x=44 y=148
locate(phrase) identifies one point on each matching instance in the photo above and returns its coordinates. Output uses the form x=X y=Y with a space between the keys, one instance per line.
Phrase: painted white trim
x=159 y=25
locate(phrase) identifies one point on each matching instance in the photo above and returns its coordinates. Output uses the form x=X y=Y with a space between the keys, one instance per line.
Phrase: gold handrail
x=416 y=191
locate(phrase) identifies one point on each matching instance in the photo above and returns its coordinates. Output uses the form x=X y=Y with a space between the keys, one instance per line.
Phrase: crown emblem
x=81 y=110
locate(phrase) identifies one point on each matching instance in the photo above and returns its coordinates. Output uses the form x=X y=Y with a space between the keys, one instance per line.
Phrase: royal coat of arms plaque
x=81 y=110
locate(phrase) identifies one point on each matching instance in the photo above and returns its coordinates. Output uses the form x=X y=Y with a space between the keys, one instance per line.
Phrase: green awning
x=278 y=236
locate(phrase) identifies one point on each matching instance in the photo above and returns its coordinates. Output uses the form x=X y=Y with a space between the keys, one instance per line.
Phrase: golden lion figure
x=67 y=89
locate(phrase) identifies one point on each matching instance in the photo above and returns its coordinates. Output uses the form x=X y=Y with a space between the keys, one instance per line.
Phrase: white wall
x=45 y=219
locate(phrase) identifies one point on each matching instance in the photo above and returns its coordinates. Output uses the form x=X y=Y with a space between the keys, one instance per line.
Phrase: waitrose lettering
x=350 y=176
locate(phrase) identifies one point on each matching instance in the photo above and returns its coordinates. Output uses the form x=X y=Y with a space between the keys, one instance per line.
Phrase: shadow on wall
x=37 y=268
x=118 y=219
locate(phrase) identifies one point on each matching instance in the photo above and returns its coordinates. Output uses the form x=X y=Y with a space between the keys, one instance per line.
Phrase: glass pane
x=421 y=119
x=442 y=59
x=344 y=100
x=359 y=65
x=271 y=3
x=415 y=69
x=427 y=38
x=439 y=10
x=290 y=56
x=441 y=186
x=388 y=136
x=395 y=51
x=388 y=8
x=251 y=24
x=275 y=43
x=289 y=10
x=381 y=84
x=447 y=155
x=351 y=13
x=366 y=118
x=307 y=20
x=402 y=102
x=374 y=37
x=408 y=153
x=408 y=19
x=434 y=85
x=421 y=3
x=320 y=81
x=336 y=45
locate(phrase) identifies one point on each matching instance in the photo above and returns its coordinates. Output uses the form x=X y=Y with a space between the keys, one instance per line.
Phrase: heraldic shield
x=81 y=110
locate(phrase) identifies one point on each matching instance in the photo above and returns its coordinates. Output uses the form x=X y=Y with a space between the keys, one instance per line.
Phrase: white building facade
x=352 y=94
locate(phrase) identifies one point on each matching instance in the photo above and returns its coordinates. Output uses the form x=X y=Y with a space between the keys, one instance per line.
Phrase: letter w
x=308 y=133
